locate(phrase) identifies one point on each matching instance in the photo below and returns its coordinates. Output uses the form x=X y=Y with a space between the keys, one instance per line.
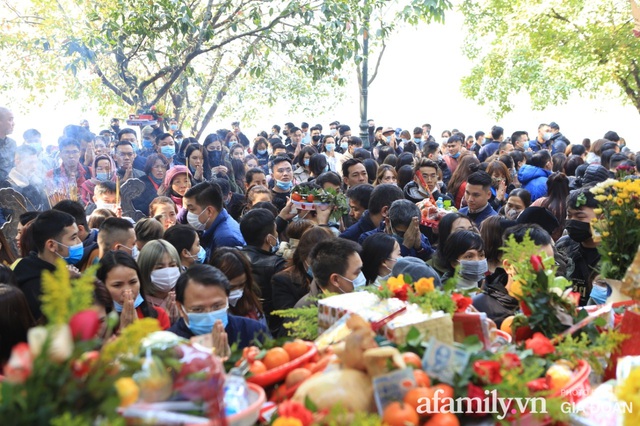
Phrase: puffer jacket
x=534 y=180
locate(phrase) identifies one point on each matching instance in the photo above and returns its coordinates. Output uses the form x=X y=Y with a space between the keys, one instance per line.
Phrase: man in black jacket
x=259 y=231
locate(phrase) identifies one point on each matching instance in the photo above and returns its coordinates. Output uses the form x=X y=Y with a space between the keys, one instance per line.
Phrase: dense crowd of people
x=222 y=244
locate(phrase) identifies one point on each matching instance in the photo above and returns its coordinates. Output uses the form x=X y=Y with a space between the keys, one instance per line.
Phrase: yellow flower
x=128 y=391
x=287 y=421
x=616 y=212
x=597 y=211
x=619 y=201
x=395 y=283
x=600 y=198
x=605 y=234
x=515 y=290
x=629 y=392
x=424 y=285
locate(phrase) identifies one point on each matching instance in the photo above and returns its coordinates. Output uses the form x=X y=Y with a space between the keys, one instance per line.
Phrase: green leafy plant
x=304 y=324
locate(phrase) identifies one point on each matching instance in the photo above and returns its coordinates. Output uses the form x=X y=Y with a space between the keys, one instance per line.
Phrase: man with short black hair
x=478 y=140
x=242 y=138
x=520 y=140
x=202 y=296
x=55 y=236
x=354 y=173
x=282 y=174
x=115 y=234
x=337 y=268
x=477 y=193
x=206 y=213
x=558 y=141
x=454 y=149
x=124 y=158
x=71 y=172
x=533 y=175
x=497 y=134
x=542 y=140
x=374 y=219
x=295 y=136
x=89 y=237
x=258 y=228
x=358 y=198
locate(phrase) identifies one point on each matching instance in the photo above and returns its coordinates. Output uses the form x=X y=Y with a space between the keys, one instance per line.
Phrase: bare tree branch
x=375 y=71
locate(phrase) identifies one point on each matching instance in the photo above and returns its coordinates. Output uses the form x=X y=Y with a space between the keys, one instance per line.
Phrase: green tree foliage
x=192 y=59
x=550 y=49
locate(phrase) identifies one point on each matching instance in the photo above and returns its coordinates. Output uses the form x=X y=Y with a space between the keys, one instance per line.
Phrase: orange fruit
x=257 y=367
x=309 y=366
x=295 y=349
x=400 y=414
x=506 y=324
x=296 y=376
x=412 y=360
x=443 y=419
x=418 y=396
x=275 y=358
x=422 y=380
x=447 y=391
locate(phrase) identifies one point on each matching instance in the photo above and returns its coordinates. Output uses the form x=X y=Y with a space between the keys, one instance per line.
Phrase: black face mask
x=315 y=138
x=578 y=231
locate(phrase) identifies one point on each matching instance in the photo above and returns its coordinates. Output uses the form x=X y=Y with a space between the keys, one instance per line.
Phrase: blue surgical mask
x=262 y=151
x=456 y=155
x=285 y=186
x=330 y=147
x=36 y=145
x=202 y=323
x=102 y=176
x=75 y=253
x=359 y=282
x=136 y=303
x=388 y=139
x=168 y=151
x=200 y=256
x=599 y=294
x=309 y=271
x=173 y=127
x=275 y=247
x=344 y=145
x=305 y=161
x=147 y=143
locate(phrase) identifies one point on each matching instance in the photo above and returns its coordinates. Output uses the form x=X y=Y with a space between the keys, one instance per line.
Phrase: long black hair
x=118 y=258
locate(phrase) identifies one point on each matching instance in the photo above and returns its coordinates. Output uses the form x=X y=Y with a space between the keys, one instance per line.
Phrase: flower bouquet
x=617 y=229
x=431 y=212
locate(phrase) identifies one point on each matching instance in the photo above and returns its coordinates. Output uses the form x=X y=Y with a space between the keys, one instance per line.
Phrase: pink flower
x=536 y=262
x=85 y=325
x=20 y=364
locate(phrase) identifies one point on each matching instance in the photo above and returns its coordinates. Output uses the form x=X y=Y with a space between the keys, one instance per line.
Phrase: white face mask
x=165 y=279
x=194 y=220
x=234 y=296
x=108 y=206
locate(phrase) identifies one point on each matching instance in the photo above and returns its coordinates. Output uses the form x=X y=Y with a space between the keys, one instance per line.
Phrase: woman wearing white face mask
x=380 y=252
x=187 y=243
x=243 y=298
x=160 y=269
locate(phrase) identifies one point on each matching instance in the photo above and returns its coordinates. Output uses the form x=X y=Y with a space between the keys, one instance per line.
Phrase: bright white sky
x=407 y=93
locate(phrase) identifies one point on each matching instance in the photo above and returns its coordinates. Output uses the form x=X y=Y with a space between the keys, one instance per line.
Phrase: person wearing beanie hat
x=176 y=183
x=416 y=269
x=579 y=246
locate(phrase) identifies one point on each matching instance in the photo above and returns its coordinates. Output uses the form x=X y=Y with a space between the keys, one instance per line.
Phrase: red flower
x=510 y=361
x=536 y=262
x=475 y=396
x=574 y=297
x=296 y=410
x=538 y=385
x=461 y=301
x=402 y=293
x=540 y=344
x=20 y=364
x=525 y=309
x=85 y=324
x=488 y=371
x=80 y=367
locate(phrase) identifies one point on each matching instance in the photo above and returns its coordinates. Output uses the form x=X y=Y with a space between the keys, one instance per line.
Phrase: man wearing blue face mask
x=206 y=213
x=454 y=149
x=258 y=228
x=282 y=173
x=166 y=146
x=336 y=267
x=202 y=294
x=55 y=235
